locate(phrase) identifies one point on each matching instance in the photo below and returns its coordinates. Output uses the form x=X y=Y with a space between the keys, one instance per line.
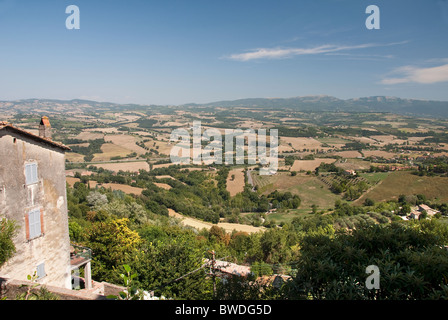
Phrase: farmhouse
x=350 y=172
x=33 y=194
x=420 y=209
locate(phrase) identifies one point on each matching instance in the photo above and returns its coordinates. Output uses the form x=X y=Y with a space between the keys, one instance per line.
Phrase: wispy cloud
x=282 y=53
x=412 y=74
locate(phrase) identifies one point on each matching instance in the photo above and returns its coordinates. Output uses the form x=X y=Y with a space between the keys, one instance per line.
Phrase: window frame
x=31 y=173
x=40 y=271
x=34 y=222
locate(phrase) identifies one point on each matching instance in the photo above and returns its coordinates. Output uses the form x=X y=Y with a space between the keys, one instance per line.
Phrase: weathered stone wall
x=49 y=194
x=12 y=288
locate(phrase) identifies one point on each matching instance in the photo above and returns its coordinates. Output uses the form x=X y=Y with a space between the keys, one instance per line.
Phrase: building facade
x=33 y=194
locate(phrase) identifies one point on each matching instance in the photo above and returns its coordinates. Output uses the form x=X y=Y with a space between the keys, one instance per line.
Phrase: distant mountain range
x=328 y=103
x=414 y=107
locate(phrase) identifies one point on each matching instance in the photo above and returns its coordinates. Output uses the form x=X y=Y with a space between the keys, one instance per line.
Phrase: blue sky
x=175 y=52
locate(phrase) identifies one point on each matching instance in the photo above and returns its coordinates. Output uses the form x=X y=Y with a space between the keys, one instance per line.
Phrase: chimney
x=45 y=128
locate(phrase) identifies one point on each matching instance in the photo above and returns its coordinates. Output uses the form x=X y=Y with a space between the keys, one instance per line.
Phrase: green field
x=397 y=183
x=374 y=177
x=333 y=140
x=309 y=188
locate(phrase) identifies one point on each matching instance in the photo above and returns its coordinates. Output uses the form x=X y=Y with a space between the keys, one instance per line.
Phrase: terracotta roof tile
x=4 y=125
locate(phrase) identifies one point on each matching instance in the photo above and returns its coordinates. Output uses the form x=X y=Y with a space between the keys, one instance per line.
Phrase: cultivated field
x=309 y=165
x=347 y=154
x=124 y=166
x=235 y=185
x=301 y=143
x=379 y=153
x=163 y=185
x=228 y=227
x=308 y=187
x=116 y=186
x=125 y=141
x=397 y=183
x=110 y=150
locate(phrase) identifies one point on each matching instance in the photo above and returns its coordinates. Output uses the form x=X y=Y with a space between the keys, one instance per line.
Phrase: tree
x=8 y=230
x=174 y=268
x=333 y=267
x=96 y=199
x=113 y=244
x=368 y=202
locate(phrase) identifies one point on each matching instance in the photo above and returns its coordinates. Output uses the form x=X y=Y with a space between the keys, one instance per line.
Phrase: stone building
x=33 y=193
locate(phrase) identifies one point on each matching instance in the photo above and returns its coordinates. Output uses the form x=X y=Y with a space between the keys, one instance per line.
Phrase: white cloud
x=410 y=74
x=280 y=53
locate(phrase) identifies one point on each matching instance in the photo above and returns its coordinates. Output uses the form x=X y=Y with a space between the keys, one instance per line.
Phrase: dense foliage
x=326 y=254
x=412 y=260
x=7 y=233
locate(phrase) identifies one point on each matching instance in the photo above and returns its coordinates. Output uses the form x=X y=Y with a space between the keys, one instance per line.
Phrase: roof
x=231 y=268
x=4 y=125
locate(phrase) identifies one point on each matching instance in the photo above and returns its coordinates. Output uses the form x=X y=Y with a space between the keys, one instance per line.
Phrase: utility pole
x=213 y=272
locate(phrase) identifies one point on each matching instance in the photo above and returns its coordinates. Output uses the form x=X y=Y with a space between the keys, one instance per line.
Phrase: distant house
x=231 y=269
x=418 y=210
x=350 y=172
x=33 y=194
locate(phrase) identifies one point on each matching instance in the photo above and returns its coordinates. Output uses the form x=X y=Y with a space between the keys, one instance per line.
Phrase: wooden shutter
x=27 y=226
x=31 y=173
x=28 y=177
x=34 y=173
x=34 y=223
x=40 y=271
x=42 y=221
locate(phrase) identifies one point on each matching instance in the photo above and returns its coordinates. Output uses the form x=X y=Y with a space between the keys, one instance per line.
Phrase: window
x=31 y=173
x=34 y=224
x=40 y=271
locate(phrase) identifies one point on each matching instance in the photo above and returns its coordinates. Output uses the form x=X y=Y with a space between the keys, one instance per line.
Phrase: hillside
x=305 y=103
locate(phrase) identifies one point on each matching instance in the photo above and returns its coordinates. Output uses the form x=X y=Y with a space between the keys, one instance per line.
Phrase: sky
x=175 y=52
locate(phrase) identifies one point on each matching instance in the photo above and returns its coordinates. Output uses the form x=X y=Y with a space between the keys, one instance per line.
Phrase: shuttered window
x=40 y=271
x=34 y=224
x=31 y=173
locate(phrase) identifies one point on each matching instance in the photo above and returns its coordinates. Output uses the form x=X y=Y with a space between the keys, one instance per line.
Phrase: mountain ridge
x=309 y=103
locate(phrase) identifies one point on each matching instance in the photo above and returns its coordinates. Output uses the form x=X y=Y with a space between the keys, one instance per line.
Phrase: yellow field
x=85 y=135
x=379 y=153
x=301 y=143
x=124 y=166
x=74 y=157
x=228 y=227
x=125 y=141
x=116 y=186
x=71 y=181
x=163 y=147
x=111 y=150
x=347 y=154
x=307 y=165
x=163 y=185
x=237 y=184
